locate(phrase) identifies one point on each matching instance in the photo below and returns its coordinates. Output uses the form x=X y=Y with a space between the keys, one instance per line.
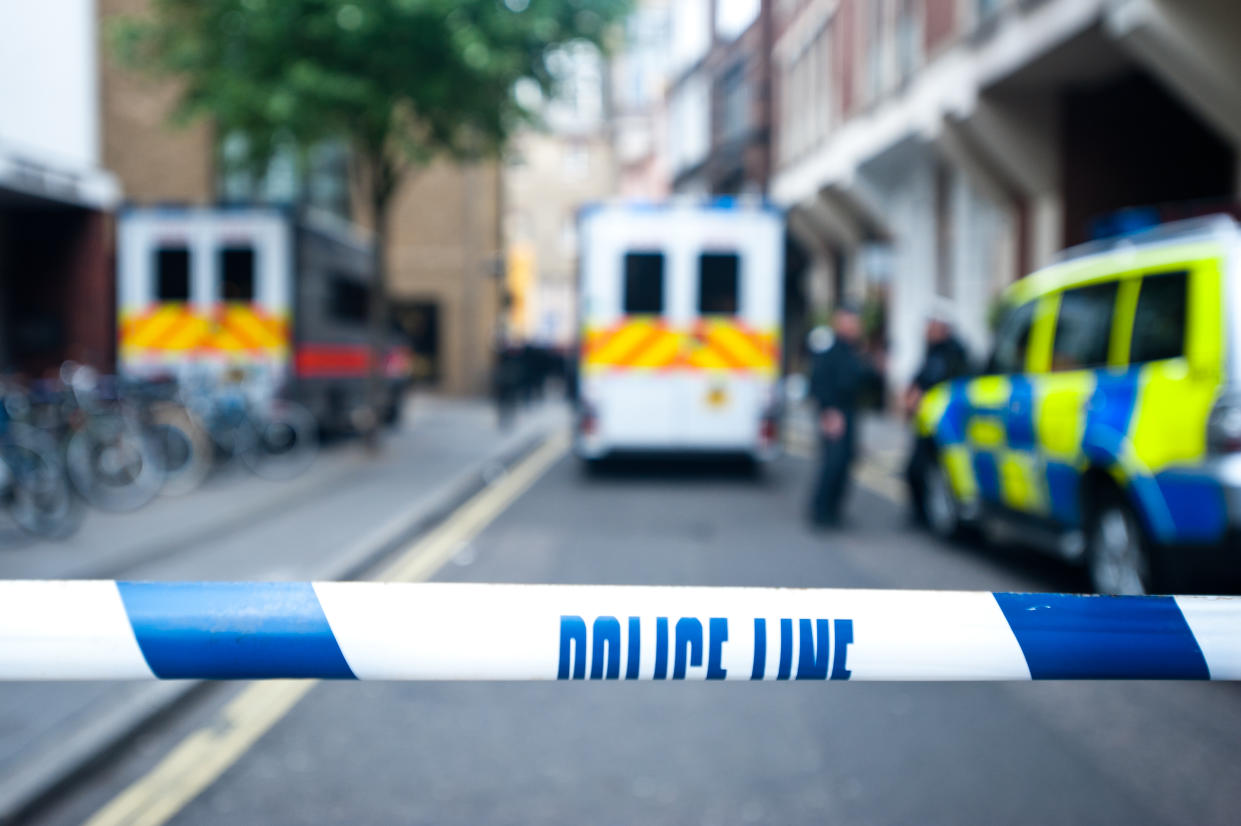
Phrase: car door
x=1081 y=349
x=987 y=402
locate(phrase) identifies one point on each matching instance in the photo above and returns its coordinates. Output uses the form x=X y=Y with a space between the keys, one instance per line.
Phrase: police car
x=1108 y=420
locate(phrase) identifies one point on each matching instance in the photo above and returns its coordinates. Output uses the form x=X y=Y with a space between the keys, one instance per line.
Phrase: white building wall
x=49 y=110
x=906 y=193
x=982 y=256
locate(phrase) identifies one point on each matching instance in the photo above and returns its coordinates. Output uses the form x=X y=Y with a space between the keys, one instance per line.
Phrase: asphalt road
x=1047 y=753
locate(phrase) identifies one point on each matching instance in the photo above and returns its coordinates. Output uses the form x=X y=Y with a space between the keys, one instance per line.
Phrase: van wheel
x=1117 y=554
x=939 y=503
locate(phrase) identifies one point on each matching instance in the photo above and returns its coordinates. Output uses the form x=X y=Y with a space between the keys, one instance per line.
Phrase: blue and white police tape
x=96 y=630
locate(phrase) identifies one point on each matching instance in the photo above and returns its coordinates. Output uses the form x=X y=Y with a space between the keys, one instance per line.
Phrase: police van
x=1108 y=421
x=276 y=296
x=679 y=310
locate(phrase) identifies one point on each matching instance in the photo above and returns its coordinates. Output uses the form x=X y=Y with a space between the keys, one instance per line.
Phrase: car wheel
x=939 y=503
x=1116 y=552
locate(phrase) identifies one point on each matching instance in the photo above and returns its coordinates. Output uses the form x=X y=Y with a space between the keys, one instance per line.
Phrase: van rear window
x=237 y=273
x=172 y=273
x=644 y=283
x=718 y=283
x=1159 y=322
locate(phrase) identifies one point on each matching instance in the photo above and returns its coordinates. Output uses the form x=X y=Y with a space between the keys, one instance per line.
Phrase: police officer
x=838 y=377
x=945 y=359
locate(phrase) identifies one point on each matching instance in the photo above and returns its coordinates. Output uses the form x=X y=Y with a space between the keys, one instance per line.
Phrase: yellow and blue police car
x=1108 y=419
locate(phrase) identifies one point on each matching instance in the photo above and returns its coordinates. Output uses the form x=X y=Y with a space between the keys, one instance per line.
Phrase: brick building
x=931 y=151
x=719 y=100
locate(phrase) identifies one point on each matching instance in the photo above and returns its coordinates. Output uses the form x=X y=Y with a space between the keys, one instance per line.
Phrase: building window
x=874 y=49
x=237 y=274
x=908 y=39
x=988 y=8
x=718 y=283
x=1159 y=321
x=732 y=17
x=644 y=283
x=172 y=274
x=735 y=103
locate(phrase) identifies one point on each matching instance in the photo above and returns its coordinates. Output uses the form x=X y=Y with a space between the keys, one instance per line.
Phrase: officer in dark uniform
x=839 y=376
x=945 y=359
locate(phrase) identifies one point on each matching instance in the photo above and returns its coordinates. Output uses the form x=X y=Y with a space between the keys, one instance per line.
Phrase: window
x=172 y=274
x=1083 y=327
x=988 y=8
x=348 y=300
x=735 y=103
x=1159 y=322
x=718 y=283
x=1012 y=341
x=237 y=274
x=644 y=283
x=908 y=39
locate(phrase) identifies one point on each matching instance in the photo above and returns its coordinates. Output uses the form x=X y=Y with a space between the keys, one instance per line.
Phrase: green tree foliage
x=400 y=81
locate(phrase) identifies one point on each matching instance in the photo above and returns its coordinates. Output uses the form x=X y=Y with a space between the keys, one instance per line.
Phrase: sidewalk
x=332 y=522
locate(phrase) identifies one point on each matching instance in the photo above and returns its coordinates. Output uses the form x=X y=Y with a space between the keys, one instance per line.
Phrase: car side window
x=1084 y=327
x=1159 y=320
x=1013 y=340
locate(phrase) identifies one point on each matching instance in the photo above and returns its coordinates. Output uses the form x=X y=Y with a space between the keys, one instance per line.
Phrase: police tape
x=94 y=630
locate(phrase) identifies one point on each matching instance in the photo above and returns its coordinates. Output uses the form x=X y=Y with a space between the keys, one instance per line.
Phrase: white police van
x=679 y=309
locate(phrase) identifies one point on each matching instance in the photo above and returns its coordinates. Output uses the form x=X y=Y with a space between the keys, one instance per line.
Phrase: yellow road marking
x=199 y=760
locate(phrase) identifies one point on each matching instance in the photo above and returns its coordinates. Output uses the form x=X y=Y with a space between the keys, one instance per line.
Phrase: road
x=1044 y=753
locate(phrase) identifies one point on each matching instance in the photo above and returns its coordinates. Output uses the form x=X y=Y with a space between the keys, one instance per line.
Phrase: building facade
x=719 y=97
x=56 y=194
x=640 y=77
x=550 y=172
x=445 y=239
x=931 y=151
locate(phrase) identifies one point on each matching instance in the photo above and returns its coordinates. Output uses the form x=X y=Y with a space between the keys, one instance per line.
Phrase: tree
x=400 y=81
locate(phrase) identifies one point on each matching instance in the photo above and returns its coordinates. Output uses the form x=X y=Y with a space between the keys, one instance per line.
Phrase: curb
x=52 y=769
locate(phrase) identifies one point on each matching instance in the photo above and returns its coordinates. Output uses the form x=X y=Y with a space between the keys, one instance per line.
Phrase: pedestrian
x=506 y=381
x=838 y=376
x=945 y=359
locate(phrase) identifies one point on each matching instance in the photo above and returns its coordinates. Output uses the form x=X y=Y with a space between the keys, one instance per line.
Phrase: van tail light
x=1224 y=425
x=769 y=427
x=587 y=419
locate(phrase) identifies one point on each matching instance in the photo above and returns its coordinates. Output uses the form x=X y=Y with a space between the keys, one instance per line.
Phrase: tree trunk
x=376 y=384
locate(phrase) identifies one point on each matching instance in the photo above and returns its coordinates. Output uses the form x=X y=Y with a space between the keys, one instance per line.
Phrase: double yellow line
x=199 y=760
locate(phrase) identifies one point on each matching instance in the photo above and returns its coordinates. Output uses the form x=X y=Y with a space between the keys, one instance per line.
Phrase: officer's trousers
x=835 y=459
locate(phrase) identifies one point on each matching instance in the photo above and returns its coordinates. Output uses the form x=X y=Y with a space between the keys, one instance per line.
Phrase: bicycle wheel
x=113 y=465
x=38 y=497
x=183 y=448
x=281 y=441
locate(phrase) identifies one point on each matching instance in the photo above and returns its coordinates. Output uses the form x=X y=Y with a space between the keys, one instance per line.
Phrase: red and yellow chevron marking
x=231 y=329
x=643 y=343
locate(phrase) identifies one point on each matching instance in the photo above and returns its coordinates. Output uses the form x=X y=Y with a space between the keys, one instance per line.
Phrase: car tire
x=1118 y=554
x=939 y=504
